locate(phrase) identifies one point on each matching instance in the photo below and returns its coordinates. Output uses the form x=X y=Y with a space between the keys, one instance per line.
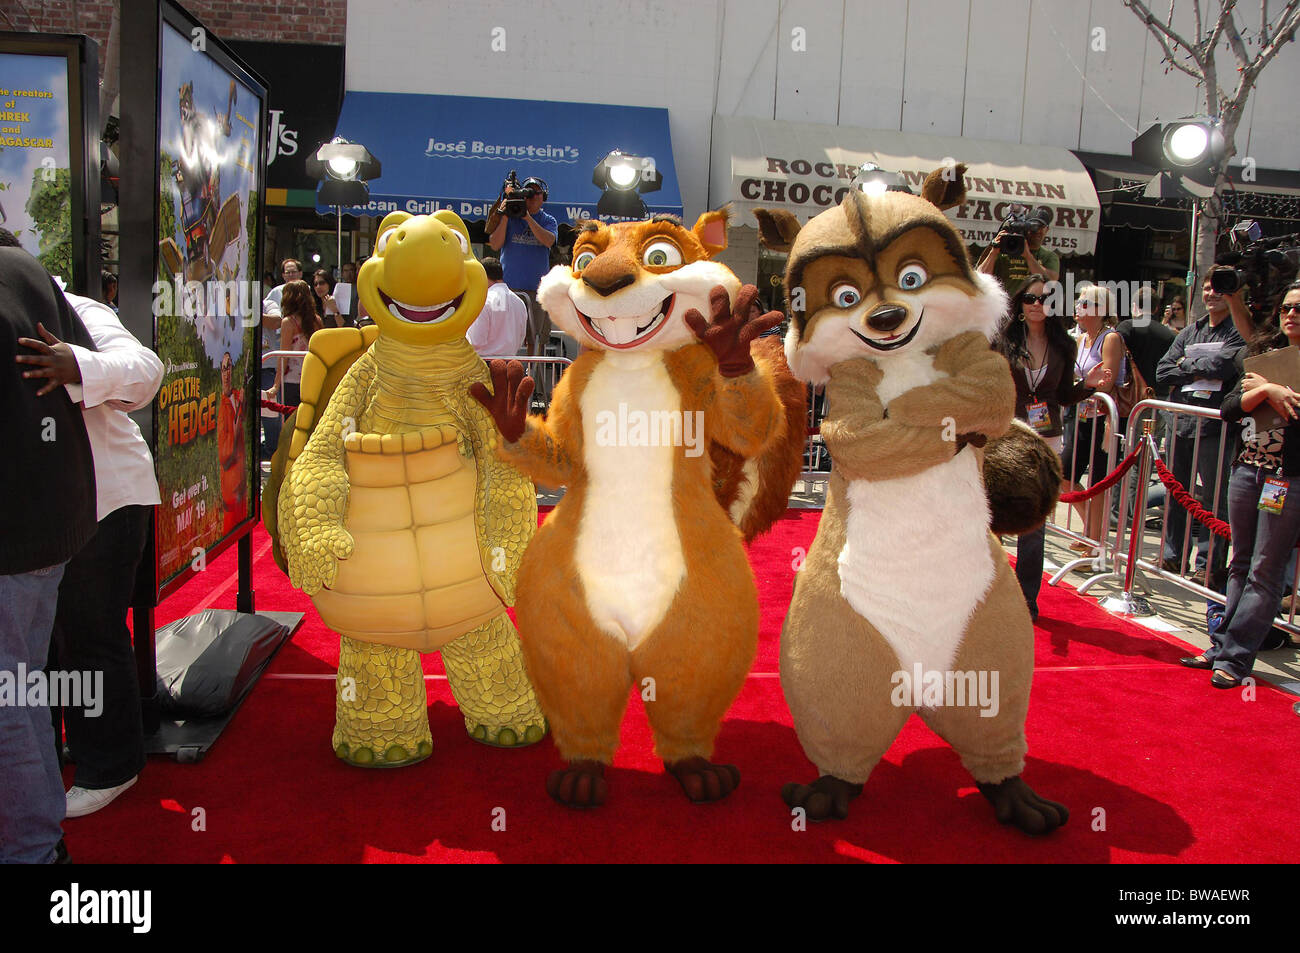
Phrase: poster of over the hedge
x=35 y=176
x=207 y=301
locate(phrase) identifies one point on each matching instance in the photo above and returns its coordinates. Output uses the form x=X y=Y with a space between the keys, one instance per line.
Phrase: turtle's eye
x=461 y=240
x=382 y=243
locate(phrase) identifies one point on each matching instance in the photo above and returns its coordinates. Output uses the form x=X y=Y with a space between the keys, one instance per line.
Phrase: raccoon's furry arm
x=979 y=396
x=863 y=443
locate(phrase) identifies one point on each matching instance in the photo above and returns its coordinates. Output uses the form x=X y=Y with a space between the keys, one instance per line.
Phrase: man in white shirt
x=105 y=735
x=500 y=327
x=291 y=270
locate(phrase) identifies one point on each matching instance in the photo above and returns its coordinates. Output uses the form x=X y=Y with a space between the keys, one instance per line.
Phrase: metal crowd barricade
x=1097 y=468
x=1130 y=555
x=816 y=458
x=545 y=372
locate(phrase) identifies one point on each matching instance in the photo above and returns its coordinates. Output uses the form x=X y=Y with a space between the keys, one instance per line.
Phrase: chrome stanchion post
x=1126 y=603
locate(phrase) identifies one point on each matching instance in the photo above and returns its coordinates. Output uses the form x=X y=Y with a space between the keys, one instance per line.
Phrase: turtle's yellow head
x=423 y=286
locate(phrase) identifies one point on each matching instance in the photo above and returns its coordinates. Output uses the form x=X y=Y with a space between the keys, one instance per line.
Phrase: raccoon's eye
x=382 y=243
x=845 y=296
x=582 y=260
x=661 y=255
x=912 y=277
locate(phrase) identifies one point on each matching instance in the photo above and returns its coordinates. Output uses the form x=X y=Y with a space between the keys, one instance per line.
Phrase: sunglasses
x=1034 y=299
x=1288 y=308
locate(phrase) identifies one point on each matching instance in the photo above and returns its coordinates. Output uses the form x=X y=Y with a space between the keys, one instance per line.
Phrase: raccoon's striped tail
x=756 y=491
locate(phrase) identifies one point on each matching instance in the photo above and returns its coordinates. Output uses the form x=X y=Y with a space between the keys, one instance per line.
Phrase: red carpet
x=1143 y=752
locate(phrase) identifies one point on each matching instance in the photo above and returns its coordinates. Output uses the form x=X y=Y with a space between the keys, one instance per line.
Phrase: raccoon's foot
x=580 y=784
x=826 y=798
x=702 y=780
x=1014 y=802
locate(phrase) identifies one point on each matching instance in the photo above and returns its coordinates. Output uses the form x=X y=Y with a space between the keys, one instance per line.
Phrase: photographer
x=1017 y=252
x=523 y=233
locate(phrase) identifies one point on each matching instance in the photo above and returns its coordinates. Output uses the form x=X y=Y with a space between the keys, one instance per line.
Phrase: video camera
x=1019 y=223
x=514 y=197
x=1264 y=265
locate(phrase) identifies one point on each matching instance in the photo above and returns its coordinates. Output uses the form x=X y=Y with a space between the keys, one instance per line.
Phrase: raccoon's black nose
x=606 y=288
x=887 y=319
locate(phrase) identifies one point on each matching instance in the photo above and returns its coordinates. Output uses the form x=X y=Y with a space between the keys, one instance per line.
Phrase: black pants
x=90 y=635
x=1029 y=566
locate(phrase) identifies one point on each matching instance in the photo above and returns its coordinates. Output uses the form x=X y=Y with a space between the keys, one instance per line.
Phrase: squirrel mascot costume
x=904 y=579
x=639 y=576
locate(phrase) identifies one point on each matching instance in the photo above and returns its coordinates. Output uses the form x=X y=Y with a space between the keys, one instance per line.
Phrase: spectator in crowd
x=299 y=322
x=503 y=322
x=1042 y=358
x=1085 y=437
x=1262 y=511
x=1200 y=367
x=291 y=269
x=323 y=286
x=348 y=273
x=1175 y=317
x=1034 y=260
x=108 y=289
x=524 y=244
x=1147 y=341
x=47 y=478
x=90 y=632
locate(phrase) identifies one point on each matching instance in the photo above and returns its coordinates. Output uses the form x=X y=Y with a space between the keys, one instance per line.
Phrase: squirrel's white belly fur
x=916 y=559
x=628 y=552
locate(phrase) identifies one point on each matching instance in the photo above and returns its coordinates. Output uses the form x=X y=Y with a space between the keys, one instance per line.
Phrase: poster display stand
x=192 y=190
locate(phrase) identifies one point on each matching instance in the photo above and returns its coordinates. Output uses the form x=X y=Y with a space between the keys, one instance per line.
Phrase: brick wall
x=321 y=21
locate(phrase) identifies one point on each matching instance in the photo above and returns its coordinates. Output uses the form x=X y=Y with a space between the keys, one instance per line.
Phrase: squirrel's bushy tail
x=756 y=491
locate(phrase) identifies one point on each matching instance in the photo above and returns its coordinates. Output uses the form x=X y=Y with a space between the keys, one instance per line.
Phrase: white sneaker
x=83 y=801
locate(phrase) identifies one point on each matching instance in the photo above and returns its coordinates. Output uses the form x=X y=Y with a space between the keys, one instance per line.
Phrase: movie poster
x=35 y=173
x=207 y=302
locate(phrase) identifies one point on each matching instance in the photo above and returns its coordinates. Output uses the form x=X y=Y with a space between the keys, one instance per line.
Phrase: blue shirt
x=524 y=260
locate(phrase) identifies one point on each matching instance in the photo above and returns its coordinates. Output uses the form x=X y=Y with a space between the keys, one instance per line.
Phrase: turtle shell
x=330 y=353
x=414 y=579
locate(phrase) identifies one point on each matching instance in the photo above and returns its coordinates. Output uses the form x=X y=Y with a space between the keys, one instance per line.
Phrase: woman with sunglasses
x=1263 y=507
x=1175 y=316
x=323 y=288
x=1042 y=357
x=1101 y=345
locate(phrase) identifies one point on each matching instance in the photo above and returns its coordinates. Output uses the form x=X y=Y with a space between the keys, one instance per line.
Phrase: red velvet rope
x=1105 y=483
x=1188 y=502
x=278 y=408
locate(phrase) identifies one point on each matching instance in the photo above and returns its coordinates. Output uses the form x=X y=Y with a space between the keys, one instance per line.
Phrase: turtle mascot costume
x=389 y=506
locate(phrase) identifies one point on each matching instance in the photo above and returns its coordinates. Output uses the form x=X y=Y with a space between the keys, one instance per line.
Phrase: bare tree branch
x=1239 y=50
x=1263 y=20
x=1155 y=27
x=1283 y=33
x=1225 y=17
x=1161 y=31
x=1196 y=5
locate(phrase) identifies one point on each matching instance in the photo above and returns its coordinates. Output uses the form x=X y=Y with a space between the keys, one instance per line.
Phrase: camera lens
x=1225 y=282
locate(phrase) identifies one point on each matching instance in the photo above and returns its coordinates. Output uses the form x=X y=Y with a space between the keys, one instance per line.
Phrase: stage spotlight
x=873 y=180
x=1192 y=147
x=344 y=168
x=622 y=178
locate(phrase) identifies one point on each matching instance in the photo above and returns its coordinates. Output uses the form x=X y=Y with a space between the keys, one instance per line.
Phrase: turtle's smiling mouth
x=894 y=341
x=621 y=333
x=418 y=314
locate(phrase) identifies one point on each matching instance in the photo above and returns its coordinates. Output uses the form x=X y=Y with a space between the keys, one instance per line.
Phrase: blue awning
x=453 y=152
